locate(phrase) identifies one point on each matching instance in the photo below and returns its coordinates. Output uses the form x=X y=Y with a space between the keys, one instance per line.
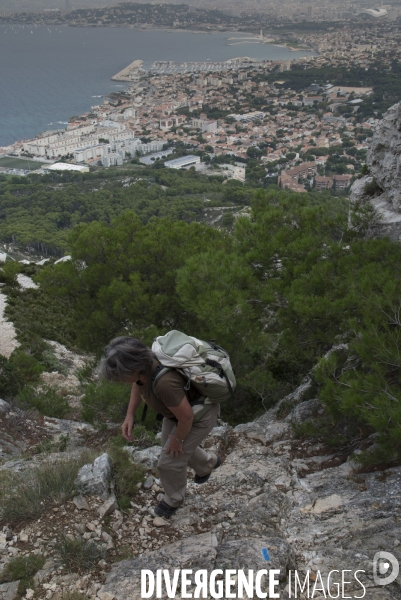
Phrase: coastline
x=16 y=135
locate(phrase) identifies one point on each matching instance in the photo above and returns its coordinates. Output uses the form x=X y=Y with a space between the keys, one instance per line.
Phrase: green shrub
x=9 y=272
x=362 y=385
x=26 y=495
x=52 y=363
x=126 y=475
x=46 y=400
x=79 y=555
x=21 y=368
x=49 y=445
x=22 y=568
x=106 y=401
x=372 y=188
x=143 y=438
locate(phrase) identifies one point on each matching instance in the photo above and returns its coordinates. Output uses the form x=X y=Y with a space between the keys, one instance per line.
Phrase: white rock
x=109 y=506
x=148 y=457
x=323 y=504
x=26 y=282
x=94 y=479
x=149 y=482
x=63 y=259
x=105 y=595
x=159 y=522
x=81 y=503
x=5 y=407
x=9 y=591
x=108 y=539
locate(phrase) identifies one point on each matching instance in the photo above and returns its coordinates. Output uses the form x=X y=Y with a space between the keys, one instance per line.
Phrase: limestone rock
x=384 y=155
x=94 y=479
x=108 y=539
x=9 y=591
x=246 y=553
x=303 y=411
x=195 y=552
x=81 y=503
x=147 y=458
x=5 y=407
x=221 y=432
x=384 y=163
x=102 y=595
x=324 y=504
x=148 y=482
x=276 y=431
x=109 y=506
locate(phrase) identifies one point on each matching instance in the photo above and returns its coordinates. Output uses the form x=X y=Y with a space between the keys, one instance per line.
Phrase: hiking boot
x=199 y=479
x=164 y=510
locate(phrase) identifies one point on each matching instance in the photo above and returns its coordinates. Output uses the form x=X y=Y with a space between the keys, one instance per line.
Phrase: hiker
x=128 y=360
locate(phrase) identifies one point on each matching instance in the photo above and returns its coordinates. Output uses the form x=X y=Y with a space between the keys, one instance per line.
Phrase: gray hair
x=123 y=356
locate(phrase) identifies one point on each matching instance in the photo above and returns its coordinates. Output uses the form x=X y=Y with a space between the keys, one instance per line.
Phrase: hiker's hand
x=174 y=447
x=126 y=428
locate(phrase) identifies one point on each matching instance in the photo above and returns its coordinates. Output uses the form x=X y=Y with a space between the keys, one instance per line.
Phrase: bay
x=50 y=73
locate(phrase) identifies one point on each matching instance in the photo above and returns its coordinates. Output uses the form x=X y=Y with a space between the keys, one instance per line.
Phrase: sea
x=50 y=73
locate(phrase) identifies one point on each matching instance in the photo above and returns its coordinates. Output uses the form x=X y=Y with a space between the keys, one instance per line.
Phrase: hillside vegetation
x=37 y=212
x=278 y=293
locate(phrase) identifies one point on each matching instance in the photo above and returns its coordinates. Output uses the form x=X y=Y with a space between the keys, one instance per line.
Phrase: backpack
x=205 y=365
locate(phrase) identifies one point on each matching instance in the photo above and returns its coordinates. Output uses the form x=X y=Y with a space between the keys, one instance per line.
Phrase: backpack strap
x=155 y=375
x=158 y=372
x=222 y=373
x=161 y=370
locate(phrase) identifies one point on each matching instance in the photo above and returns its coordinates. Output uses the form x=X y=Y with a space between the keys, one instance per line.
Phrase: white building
x=112 y=159
x=248 y=117
x=183 y=162
x=114 y=124
x=209 y=126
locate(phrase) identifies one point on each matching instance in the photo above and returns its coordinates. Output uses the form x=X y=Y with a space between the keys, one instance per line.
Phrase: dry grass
x=22 y=569
x=25 y=496
x=79 y=555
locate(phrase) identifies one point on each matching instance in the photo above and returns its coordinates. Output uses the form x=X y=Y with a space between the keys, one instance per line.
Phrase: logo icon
x=382 y=562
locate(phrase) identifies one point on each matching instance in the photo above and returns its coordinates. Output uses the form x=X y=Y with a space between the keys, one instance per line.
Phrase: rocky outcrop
x=94 y=479
x=305 y=504
x=276 y=502
x=384 y=179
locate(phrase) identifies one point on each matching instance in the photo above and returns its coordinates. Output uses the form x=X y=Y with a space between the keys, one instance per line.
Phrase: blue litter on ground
x=265 y=554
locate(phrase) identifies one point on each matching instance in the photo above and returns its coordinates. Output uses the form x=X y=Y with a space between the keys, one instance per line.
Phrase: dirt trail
x=8 y=341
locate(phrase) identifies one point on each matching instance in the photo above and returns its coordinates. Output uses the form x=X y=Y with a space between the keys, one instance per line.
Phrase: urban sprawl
x=301 y=124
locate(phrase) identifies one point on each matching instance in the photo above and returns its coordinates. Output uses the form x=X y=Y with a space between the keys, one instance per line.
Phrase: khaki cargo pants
x=173 y=471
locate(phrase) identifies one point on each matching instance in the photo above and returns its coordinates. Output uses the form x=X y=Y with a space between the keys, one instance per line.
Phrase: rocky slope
x=307 y=505
x=384 y=178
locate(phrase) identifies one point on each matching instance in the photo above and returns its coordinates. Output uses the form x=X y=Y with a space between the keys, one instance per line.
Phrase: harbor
x=171 y=67
x=127 y=73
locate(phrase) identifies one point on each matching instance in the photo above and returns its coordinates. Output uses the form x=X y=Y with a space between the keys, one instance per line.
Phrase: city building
x=341 y=181
x=323 y=183
x=209 y=126
x=112 y=159
x=182 y=162
x=151 y=158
